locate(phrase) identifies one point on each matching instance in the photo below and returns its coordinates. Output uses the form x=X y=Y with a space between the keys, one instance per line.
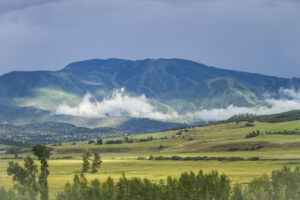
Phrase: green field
x=273 y=150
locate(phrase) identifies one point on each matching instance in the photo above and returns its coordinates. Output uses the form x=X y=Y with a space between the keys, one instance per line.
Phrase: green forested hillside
x=274 y=118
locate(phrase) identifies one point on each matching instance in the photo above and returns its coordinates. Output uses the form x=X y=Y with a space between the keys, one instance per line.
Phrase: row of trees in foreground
x=284 y=184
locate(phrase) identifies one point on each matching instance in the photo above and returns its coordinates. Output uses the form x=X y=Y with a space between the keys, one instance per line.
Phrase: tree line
x=274 y=118
x=283 y=132
x=284 y=184
x=198 y=158
x=125 y=140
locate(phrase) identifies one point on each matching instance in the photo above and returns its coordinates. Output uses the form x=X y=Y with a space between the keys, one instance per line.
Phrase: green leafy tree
x=96 y=163
x=100 y=142
x=32 y=170
x=7 y=195
x=79 y=190
x=237 y=193
x=43 y=153
x=286 y=183
x=108 y=189
x=91 y=142
x=17 y=172
x=24 y=178
x=86 y=161
x=261 y=188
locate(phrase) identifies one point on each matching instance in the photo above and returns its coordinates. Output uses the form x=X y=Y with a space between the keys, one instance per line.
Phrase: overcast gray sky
x=250 y=35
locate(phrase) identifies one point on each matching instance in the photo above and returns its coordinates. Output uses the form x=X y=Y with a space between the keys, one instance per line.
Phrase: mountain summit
x=170 y=84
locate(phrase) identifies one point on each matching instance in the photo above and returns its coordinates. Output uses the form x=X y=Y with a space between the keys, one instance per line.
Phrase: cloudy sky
x=249 y=35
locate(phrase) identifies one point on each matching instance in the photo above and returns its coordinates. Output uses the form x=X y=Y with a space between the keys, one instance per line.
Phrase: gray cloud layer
x=250 y=35
x=12 y=5
x=120 y=104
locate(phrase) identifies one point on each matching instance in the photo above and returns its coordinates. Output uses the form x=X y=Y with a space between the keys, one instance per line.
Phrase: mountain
x=169 y=84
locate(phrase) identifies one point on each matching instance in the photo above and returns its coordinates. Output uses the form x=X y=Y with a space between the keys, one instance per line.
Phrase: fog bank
x=120 y=104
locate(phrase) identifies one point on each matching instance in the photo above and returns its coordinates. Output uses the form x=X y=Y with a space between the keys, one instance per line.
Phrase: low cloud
x=120 y=104
x=289 y=100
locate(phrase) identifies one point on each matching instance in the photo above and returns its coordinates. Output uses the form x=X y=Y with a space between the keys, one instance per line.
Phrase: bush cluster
x=253 y=134
x=128 y=140
x=285 y=132
x=114 y=142
x=253 y=148
x=147 y=139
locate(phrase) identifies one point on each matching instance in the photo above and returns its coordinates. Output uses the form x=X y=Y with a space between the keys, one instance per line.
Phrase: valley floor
x=223 y=140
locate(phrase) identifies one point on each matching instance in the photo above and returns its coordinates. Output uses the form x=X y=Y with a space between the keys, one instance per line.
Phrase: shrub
x=253 y=158
x=249 y=124
x=179 y=133
x=91 y=142
x=163 y=138
x=161 y=158
x=253 y=134
x=151 y=157
x=235 y=159
x=114 y=142
x=176 y=158
x=234 y=149
x=100 y=142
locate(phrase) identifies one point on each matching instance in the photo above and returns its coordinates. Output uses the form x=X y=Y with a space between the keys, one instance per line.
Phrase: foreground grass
x=62 y=171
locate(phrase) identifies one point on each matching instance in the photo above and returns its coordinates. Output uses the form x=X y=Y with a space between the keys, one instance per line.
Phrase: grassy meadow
x=222 y=140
